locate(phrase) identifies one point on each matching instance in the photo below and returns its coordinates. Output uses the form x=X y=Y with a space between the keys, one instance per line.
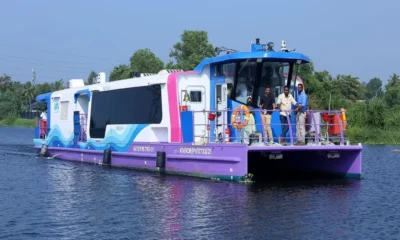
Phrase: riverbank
x=373 y=136
x=18 y=122
x=355 y=134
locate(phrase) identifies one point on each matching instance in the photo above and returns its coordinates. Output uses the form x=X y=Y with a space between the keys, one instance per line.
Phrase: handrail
x=335 y=126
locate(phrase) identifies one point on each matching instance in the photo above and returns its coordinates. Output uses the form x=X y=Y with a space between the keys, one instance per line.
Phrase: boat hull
x=228 y=162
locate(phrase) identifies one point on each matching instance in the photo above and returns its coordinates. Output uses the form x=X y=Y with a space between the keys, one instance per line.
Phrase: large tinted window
x=245 y=81
x=139 y=105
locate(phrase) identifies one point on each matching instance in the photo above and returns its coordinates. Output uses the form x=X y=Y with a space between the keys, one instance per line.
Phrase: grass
x=375 y=136
x=18 y=122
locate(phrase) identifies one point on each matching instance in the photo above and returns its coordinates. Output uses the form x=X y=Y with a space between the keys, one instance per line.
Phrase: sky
x=68 y=39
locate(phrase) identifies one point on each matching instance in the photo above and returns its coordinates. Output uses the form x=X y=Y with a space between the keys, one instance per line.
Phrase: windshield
x=273 y=76
x=247 y=79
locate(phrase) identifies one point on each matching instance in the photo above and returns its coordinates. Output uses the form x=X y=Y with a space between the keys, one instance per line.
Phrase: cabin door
x=77 y=126
x=198 y=105
x=221 y=100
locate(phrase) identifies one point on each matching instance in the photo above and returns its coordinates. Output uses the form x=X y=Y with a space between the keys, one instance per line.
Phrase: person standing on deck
x=285 y=101
x=250 y=127
x=301 y=115
x=267 y=106
x=43 y=124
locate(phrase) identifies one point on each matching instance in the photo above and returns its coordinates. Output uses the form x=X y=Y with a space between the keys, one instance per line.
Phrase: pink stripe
x=174 y=113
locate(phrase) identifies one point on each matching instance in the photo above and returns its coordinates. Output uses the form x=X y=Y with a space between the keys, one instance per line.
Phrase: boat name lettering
x=205 y=151
x=143 y=149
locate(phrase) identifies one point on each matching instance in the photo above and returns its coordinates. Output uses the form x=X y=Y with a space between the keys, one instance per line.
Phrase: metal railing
x=43 y=129
x=316 y=122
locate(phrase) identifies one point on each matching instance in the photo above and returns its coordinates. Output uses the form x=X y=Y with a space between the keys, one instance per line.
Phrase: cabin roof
x=290 y=56
x=130 y=82
x=43 y=97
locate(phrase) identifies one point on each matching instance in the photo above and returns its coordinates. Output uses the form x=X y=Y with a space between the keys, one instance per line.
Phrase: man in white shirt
x=285 y=102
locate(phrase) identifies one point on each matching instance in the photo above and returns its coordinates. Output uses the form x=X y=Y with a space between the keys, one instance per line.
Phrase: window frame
x=62 y=112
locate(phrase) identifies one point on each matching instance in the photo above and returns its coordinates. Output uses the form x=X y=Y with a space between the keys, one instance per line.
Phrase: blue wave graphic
x=113 y=140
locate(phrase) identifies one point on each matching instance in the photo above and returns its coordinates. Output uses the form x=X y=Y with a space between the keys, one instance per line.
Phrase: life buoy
x=237 y=114
x=343 y=118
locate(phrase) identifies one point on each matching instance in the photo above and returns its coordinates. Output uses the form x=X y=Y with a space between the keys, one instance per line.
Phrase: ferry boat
x=191 y=122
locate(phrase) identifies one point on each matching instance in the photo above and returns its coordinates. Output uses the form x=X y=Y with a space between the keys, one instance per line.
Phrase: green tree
x=145 y=61
x=91 y=78
x=392 y=95
x=373 y=88
x=29 y=93
x=350 y=87
x=393 y=81
x=4 y=81
x=120 y=72
x=58 y=85
x=375 y=110
x=43 y=88
x=323 y=76
x=192 y=49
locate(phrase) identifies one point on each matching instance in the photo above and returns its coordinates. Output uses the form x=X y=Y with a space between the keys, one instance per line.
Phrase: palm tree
x=28 y=93
x=92 y=78
x=58 y=85
x=393 y=81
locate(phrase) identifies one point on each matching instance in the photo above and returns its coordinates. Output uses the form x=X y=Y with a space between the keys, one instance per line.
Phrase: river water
x=55 y=199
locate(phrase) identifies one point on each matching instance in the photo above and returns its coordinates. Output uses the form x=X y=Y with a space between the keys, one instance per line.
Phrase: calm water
x=54 y=199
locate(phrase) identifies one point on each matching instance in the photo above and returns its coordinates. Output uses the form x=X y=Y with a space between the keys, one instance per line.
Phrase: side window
x=126 y=106
x=246 y=80
x=227 y=70
x=195 y=96
x=64 y=110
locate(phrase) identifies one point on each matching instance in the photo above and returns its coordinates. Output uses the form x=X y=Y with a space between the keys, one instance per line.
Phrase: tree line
x=372 y=109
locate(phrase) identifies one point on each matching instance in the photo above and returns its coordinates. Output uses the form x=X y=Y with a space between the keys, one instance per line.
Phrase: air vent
x=147 y=74
x=168 y=71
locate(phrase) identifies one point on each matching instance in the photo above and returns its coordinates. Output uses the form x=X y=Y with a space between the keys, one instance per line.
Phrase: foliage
x=372 y=112
x=91 y=78
x=192 y=49
x=120 y=72
x=373 y=89
x=188 y=53
x=16 y=97
x=145 y=61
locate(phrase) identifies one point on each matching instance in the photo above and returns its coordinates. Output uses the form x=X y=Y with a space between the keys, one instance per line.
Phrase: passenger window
x=135 y=105
x=195 y=96
x=246 y=81
x=64 y=110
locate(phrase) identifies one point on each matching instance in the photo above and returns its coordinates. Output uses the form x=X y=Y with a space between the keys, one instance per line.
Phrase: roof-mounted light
x=284 y=48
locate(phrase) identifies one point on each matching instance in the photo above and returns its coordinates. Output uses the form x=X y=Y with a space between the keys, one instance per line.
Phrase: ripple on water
x=53 y=199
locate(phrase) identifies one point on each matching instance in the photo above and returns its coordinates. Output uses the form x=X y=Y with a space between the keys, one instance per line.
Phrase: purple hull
x=229 y=161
